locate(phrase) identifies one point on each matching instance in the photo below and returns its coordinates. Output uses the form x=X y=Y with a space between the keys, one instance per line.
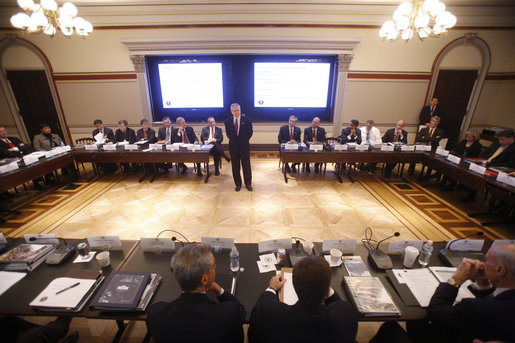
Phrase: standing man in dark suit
x=164 y=135
x=124 y=133
x=195 y=317
x=318 y=316
x=108 y=133
x=146 y=133
x=429 y=111
x=395 y=135
x=214 y=135
x=290 y=134
x=431 y=134
x=351 y=134
x=239 y=131
x=314 y=134
x=185 y=134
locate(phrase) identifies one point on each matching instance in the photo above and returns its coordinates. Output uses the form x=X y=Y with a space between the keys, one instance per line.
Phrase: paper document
x=7 y=279
x=289 y=295
x=421 y=283
x=99 y=137
x=69 y=298
x=445 y=273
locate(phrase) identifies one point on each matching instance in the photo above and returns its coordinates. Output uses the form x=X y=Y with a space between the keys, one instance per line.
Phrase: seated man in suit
x=429 y=111
x=504 y=155
x=214 y=135
x=46 y=140
x=146 y=133
x=290 y=134
x=124 y=133
x=318 y=316
x=164 y=135
x=351 y=134
x=314 y=134
x=108 y=133
x=11 y=146
x=431 y=134
x=395 y=135
x=185 y=134
x=194 y=316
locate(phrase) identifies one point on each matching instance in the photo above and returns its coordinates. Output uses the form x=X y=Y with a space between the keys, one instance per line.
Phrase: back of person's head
x=505 y=254
x=311 y=279
x=190 y=263
x=508 y=133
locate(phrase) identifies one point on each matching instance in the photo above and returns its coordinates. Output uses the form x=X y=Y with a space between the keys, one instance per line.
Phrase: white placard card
x=9 y=167
x=477 y=168
x=503 y=241
x=131 y=147
x=2 y=239
x=347 y=246
x=41 y=238
x=104 y=242
x=316 y=147
x=291 y=146
x=29 y=159
x=442 y=152
x=387 y=147
x=109 y=147
x=466 y=244
x=407 y=148
x=420 y=147
x=453 y=159
x=91 y=147
x=340 y=147
x=172 y=147
x=218 y=243
x=399 y=246
x=274 y=244
x=157 y=244
x=156 y=147
x=362 y=147
x=504 y=178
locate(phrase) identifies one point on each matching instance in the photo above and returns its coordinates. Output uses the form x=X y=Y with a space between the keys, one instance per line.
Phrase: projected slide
x=191 y=85
x=291 y=84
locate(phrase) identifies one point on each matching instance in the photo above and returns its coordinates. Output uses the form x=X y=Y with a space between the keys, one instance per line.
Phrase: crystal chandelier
x=48 y=17
x=428 y=18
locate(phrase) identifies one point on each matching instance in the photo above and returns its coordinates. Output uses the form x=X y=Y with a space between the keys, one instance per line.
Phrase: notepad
x=68 y=299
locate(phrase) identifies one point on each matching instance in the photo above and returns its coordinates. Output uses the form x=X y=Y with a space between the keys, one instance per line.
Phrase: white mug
x=103 y=259
x=410 y=255
x=336 y=255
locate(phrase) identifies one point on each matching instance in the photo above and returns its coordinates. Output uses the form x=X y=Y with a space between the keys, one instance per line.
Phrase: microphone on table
x=378 y=258
x=60 y=254
x=454 y=258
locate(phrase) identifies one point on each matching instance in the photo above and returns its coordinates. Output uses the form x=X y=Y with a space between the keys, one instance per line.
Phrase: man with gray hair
x=185 y=134
x=194 y=316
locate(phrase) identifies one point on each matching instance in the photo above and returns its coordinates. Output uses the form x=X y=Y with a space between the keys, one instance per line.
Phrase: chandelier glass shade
x=426 y=18
x=48 y=17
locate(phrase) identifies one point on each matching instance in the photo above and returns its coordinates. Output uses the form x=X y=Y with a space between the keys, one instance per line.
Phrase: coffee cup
x=308 y=247
x=336 y=255
x=410 y=255
x=103 y=259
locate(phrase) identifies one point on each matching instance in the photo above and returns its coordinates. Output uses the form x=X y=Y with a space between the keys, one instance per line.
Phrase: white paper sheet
x=264 y=267
x=290 y=296
x=445 y=273
x=8 y=279
x=421 y=282
x=84 y=259
x=268 y=258
x=67 y=299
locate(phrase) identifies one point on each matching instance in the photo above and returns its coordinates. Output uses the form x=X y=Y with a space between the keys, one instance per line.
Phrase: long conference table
x=130 y=257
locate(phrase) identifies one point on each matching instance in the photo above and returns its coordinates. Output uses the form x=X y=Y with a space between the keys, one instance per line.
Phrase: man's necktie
x=314 y=135
x=430 y=133
x=291 y=133
x=213 y=132
x=432 y=110
x=10 y=143
x=185 y=136
x=236 y=125
x=396 y=137
x=168 y=134
x=368 y=137
x=145 y=134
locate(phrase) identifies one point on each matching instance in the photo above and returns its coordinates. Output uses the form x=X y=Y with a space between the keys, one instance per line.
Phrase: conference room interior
x=105 y=77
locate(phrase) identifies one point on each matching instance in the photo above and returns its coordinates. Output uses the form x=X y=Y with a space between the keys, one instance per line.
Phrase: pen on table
x=67 y=288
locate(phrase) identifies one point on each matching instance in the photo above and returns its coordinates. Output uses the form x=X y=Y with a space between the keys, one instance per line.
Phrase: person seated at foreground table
x=489 y=317
x=313 y=135
x=124 y=133
x=46 y=140
x=107 y=132
x=146 y=133
x=289 y=134
x=318 y=316
x=185 y=134
x=214 y=135
x=164 y=135
x=395 y=135
x=351 y=134
x=431 y=134
x=194 y=317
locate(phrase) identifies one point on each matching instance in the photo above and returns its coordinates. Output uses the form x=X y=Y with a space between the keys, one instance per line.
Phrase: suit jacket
x=41 y=142
x=308 y=134
x=425 y=114
x=241 y=141
x=129 y=136
x=486 y=319
x=473 y=151
x=434 y=139
x=274 y=321
x=161 y=134
x=192 y=137
x=107 y=132
x=151 y=135
x=389 y=135
x=204 y=135
x=346 y=133
x=4 y=148
x=284 y=134
x=194 y=317
x=506 y=158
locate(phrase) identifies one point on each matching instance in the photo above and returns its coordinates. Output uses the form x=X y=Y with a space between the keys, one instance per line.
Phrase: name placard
x=2 y=239
x=477 y=168
x=387 y=147
x=340 y=147
x=109 y=147
x=466 y=244
x=362 y=147
x=316 y=147
x=51 y=153
x=104 y=242
x=91 y=147
x=157 y=244
x=291 y=146
x=218 y=242
x=41 y=238
x=8 y=167
x=194 y=147
x=504 y=178
x=29 y=159
x=274 y=244
x=442 y=152
x=503 y=241
x=131 y=147
x=420 y=147
x=155 y=147
x=347 y=246
x=399 y=246
x=407 y=148
x=171 y=147
x=453 y=159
